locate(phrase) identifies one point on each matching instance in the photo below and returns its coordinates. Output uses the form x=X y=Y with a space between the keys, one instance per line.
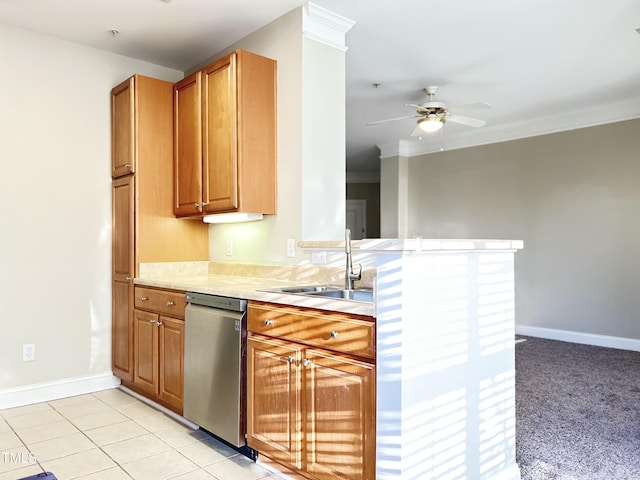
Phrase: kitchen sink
x=359 y=295
x=329 y=291
x=310 y=289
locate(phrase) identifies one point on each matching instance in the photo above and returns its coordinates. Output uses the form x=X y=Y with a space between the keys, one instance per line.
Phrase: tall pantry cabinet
x=144 y=227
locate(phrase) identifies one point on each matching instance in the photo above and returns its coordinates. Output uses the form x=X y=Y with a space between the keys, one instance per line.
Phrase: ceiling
x=543 y=65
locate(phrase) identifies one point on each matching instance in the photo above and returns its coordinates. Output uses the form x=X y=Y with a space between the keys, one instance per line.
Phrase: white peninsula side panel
x=446 y=363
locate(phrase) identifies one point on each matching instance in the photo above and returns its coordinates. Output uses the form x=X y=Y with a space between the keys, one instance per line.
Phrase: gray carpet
x=577 y=411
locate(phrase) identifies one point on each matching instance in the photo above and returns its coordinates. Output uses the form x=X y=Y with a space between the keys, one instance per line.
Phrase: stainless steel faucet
x=349 y=276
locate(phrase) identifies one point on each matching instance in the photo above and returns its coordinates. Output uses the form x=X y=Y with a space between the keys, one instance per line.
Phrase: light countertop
x=250 y=288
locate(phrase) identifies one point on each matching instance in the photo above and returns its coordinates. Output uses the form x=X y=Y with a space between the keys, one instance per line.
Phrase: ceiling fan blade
x=472 y=106
x=470 y=122
x=393 y=119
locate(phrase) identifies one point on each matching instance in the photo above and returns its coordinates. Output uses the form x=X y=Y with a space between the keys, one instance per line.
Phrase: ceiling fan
x=432 y=115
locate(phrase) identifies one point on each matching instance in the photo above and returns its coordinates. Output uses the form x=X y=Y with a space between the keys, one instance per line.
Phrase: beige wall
x=55 y=245
x=573 y=197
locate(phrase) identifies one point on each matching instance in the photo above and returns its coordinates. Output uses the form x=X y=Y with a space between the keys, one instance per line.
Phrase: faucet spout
x=349 y=275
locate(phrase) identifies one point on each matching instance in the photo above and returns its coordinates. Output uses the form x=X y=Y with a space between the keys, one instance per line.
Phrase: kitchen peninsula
x=444 y=322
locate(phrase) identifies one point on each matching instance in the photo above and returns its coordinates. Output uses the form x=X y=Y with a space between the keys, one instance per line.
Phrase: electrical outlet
x=291 y=247
x=319 y=258
x=28 y=352
x=229 y=249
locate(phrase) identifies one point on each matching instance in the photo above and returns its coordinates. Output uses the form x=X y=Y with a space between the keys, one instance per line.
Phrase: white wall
x=573 y=197
x=55 y=245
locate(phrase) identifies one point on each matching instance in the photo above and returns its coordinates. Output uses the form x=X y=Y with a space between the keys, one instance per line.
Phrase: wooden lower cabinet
x=311 y=410
x=159 y=349
x=274 y=406
x=340 y=413
x=146 y=351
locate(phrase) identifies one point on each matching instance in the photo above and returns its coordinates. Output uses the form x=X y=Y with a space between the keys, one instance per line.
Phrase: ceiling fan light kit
x=431 y=124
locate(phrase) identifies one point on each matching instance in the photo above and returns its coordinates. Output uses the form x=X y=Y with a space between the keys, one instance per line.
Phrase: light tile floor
x=111 y=435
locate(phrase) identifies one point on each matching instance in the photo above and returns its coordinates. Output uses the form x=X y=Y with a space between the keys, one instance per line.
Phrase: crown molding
x=582 y=118
x=324 y=26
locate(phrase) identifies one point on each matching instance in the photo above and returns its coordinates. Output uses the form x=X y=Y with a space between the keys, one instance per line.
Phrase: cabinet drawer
x=162 y=301
x=352 y=334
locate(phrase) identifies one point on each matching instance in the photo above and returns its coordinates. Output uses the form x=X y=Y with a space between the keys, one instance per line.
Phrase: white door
x=356 y=218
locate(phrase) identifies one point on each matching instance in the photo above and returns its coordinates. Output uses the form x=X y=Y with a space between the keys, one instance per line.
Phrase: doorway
x=356 y=218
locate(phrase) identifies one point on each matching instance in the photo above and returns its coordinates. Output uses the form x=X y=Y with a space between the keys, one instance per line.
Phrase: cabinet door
x=122 y=129
x=274 y=421
x=122 y=330
x=122 y=277
x=340 y=413
x=187 y=154
x=146 y=351
x=123 y=209
x=171 y=361
x=220 y=165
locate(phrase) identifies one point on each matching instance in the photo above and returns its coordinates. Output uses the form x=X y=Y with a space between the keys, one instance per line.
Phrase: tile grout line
x=73 y=421
x=23 y=444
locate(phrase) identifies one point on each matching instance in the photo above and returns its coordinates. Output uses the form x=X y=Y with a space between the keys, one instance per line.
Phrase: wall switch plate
x=229 y=248
x=291 y=247
x=28 y=352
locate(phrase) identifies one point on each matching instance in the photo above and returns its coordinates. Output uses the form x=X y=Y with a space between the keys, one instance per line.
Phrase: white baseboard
x=47 y=391
x=579 y=337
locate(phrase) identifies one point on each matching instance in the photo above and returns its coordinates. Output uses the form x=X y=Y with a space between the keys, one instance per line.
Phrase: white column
x=323 y=124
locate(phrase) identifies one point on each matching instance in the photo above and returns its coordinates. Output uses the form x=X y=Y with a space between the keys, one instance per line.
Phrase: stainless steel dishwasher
x=215 y=366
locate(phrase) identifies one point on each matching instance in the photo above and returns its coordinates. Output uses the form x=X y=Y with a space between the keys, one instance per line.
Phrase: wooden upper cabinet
x=122 y=128
x=187 y=149
x=225 y=137
x=220 y=140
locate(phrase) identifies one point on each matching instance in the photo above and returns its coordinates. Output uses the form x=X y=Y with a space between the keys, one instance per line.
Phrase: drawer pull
x=171 y=304
x=268 y=322
x=144 y=299
x=334 y=334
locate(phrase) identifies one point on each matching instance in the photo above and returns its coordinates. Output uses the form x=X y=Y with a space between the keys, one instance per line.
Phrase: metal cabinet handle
x=171 y=304
x=158 y=324
x=268 y=322
x=127 y=166
x=204 y=204
x=306 y=362
x=152 y=322
x=334 y=334
x=196 y=205
x=127 y=279
x=144 y=299
x=290 y=359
